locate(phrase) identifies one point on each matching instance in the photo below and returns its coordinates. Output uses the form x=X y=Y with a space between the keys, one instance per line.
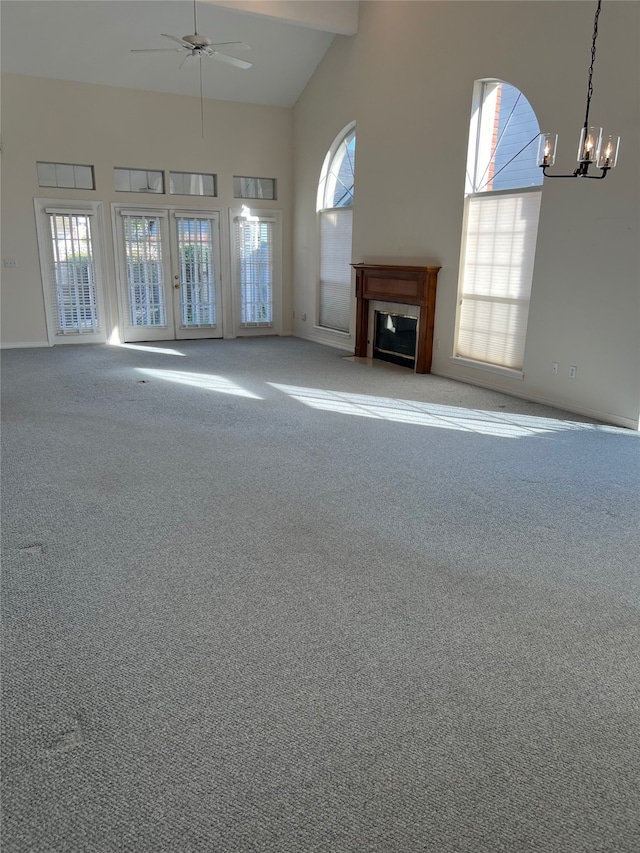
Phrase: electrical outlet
x=10 y=263
x=573 y=370
x=555 y=367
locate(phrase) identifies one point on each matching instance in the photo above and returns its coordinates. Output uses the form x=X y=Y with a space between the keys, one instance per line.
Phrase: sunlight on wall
x=205 y=381
x=500 y=424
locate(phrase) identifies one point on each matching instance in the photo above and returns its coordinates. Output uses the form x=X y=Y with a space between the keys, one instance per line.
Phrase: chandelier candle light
x=592 y=150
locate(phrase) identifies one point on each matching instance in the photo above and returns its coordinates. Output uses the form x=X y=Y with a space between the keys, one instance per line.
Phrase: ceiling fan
x=196 y=46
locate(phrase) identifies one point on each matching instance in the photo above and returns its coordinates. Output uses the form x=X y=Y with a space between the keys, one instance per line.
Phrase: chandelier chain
x=593 y=59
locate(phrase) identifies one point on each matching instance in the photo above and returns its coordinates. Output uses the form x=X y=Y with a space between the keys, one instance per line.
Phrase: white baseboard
x=565 y=406
x=325 y=343
x=23 y=344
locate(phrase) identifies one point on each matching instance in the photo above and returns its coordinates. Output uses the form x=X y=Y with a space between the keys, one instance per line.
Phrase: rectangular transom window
x=138 y=181
x=244 y=187
x=66 y=175
x=192 y=183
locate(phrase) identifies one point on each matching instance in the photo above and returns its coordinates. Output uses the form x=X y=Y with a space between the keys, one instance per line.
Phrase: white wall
x=59 y=121
x=407 y=78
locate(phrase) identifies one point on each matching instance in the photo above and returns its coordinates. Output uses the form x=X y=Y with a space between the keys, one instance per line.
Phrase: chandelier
x=594 y=149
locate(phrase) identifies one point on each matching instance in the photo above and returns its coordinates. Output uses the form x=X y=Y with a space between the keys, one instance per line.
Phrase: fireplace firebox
x=395 y=338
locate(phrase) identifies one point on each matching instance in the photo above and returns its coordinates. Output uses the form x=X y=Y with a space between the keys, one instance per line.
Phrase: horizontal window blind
x=335 y=269
x=496 y=278
x=145 y=269
x=254 y=251
x=73 y=289
x=197 y=271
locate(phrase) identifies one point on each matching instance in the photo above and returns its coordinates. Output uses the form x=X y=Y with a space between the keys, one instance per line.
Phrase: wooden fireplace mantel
x=405 y=285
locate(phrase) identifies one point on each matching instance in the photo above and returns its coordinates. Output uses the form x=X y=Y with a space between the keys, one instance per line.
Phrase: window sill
x=509 y=372
x=336 y=332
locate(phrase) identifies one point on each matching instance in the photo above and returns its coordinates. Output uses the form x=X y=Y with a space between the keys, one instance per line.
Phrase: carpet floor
x=260 y=598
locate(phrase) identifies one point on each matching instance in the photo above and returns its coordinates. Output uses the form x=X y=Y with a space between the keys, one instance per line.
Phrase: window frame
x=475 y=146
x=326 y=189
x=43 y=207
x=275 y=326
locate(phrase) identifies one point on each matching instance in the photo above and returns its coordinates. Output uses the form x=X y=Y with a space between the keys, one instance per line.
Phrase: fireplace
x=406 y=291
x=394 y=338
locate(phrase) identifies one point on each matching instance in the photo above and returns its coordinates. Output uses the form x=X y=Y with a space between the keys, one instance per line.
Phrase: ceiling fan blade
x=231 y=60
x=176 y=39
x=236 y=45
x=155 y=50
x=188 y=56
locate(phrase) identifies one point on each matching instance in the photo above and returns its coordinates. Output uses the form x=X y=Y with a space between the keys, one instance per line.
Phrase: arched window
x=500 y=227
x=334 y=205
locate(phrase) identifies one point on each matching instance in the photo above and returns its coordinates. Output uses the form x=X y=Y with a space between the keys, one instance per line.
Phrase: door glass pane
x=145 y=270
x=254 y=241
x=74 y=273
x=197 y=271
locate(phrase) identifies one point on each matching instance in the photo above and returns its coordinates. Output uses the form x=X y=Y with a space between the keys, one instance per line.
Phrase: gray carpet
x=258 y=597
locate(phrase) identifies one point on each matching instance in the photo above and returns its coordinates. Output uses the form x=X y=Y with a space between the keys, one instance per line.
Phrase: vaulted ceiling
x=91 y=41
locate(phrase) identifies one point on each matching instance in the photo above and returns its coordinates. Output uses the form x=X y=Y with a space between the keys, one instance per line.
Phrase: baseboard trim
x=325 y=343
x=23 y=344
x=605 y=417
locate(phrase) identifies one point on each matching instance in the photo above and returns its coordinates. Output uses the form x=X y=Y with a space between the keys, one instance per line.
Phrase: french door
x=169 y=283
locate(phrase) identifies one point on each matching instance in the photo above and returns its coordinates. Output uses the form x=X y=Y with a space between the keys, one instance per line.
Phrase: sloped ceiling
x=91 y=41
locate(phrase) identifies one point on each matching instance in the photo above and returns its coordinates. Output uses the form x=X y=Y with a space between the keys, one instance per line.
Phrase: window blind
x=73 y=289
x=254 y=269
x=197 y=271
x=335 y=269
x=145 y=269
x=496 y=278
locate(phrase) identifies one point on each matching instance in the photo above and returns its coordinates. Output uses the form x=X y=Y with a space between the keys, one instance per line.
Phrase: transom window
x=338 y=173
x=192 y=183
x=502 y=140
x=66 y=175
x=138 y=181
x=262 y=188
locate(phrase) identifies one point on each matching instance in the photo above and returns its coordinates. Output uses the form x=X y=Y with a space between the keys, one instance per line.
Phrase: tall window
x=255 y=266
x=69 y=248
x=501 y=224
x=335 y=207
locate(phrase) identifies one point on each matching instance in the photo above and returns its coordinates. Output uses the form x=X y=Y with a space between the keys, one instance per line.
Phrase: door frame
x=195 y=332
x=273 y=215
x=167 y=213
